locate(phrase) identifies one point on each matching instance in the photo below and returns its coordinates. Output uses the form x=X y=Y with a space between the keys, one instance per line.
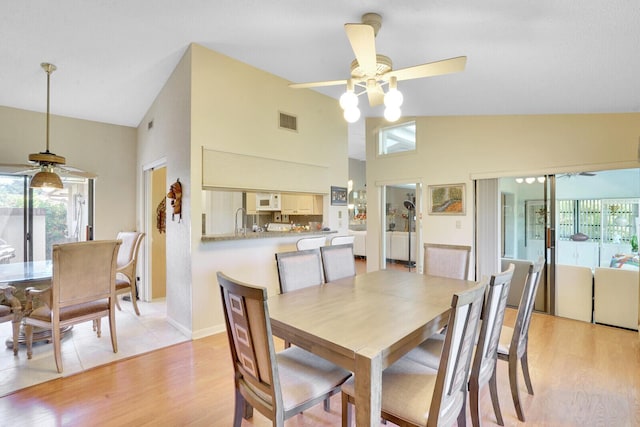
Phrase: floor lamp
x=408 y=204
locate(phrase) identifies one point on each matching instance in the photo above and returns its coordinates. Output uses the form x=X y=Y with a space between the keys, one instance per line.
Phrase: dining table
x=365 y=323
x=23 y=275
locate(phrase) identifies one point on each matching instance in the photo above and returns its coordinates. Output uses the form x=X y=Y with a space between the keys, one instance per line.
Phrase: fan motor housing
x=47 y=158
x=383 y=65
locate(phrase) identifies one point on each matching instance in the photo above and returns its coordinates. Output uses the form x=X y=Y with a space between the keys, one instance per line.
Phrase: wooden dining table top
x=365 y=323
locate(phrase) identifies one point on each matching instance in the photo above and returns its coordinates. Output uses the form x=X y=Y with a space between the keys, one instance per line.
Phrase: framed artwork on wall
x=447 y=199
x=338 y=196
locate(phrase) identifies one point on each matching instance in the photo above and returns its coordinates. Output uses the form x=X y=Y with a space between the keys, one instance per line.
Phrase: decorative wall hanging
x=339 y=196
x=161 y=216
x=446 y=199
x=175 y=194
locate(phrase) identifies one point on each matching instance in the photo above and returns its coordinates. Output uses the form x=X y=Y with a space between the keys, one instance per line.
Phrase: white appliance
x=268 y=201
x=276 y=226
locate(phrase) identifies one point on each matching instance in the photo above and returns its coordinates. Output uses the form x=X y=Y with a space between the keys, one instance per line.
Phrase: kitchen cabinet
x=297 y=204
x=250 y=199
x=318 y=204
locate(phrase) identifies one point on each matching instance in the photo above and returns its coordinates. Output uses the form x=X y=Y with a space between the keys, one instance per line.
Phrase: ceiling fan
x=572 y=174
x=371 y=71
x=45 y=165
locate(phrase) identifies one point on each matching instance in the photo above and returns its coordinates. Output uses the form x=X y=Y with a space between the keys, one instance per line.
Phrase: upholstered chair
x=414 y=394
x=310 y=243
x=82 y=289
x=338 y=261
x=127 y=264
x=446 y=260
x=278 y=385
x=10 y=311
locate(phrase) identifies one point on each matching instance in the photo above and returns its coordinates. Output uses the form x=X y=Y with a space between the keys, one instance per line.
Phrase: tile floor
x=82 y=349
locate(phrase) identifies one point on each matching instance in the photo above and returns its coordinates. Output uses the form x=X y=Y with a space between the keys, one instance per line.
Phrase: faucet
x=242 y=224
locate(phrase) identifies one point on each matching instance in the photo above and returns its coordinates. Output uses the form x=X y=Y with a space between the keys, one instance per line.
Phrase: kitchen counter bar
x=263 y=235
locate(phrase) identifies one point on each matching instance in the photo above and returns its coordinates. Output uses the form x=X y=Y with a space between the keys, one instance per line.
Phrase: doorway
x=401 y=235
x=154 y=254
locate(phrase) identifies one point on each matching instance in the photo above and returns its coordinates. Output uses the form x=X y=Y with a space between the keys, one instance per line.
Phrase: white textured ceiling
x=524 y=57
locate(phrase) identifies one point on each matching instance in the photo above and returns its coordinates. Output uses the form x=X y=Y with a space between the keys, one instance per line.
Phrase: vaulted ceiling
x=524 y=57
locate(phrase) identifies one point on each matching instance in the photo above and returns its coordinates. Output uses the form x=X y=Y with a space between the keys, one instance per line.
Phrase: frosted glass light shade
x=392 y=113
x=352 y=114
x=348 y=100
x=393 y=98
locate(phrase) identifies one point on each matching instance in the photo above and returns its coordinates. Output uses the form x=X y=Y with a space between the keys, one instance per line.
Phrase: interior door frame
x=147 y=225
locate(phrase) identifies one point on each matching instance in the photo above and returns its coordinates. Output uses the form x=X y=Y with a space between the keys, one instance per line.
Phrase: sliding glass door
x=31 y=221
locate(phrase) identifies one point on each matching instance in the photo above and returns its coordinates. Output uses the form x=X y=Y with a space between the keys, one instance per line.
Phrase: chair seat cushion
x=429 y=352
x=505 y=340
x=44 y=313
x=407 y=390
x=4 y=310
x=122 y=284
x=305 y=376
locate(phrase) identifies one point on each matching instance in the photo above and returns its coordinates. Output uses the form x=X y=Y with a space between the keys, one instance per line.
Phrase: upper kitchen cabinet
x=298 y=204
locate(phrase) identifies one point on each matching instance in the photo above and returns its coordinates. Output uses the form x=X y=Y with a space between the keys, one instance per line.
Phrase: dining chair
x=10 y=311
x=483 y=367
x=126 y=266
x=299 y=269
x=414 y=394
x=278 y=385
x=82 y=289
x=338 y=261
x=341 y=240
x=446 y=260
x=310 y=242
x=514 y=342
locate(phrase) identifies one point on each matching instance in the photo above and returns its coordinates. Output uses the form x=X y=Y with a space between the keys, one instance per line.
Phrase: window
x=397 y=139
x=32 y=221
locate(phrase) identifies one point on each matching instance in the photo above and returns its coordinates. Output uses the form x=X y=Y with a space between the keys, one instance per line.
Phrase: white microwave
x=268 y=201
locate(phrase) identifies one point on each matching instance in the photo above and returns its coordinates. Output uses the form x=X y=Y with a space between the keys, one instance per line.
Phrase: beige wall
x=221 y=104
x=459 y=149
x=167 y=143
x=107 y=150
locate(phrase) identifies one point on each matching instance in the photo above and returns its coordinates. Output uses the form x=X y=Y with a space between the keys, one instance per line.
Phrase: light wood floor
x=583 y=375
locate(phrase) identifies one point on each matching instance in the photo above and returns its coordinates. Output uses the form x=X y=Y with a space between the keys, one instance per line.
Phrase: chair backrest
x=128 y=253
x=450 y=391
x=252 y=350
x=338 y=261
x=525 y=309
x=341 y=240
x=299 y=269
x=484 y=361
x=446 y=260
x=83 y=272
x=310 y=243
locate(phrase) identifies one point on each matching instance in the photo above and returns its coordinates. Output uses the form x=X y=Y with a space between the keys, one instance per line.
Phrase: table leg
x=368 y=378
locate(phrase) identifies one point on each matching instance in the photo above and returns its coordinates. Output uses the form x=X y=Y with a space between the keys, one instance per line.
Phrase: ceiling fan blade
x=17 y=169
x=375 y=94
x=363 y=43
x=70 y=170
x=317 y=84
x=437 y=68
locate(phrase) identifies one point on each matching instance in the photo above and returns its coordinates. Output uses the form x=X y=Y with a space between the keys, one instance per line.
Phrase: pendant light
x=46 y=178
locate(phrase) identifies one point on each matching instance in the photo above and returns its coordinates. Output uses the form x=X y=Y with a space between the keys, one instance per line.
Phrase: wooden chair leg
x=57 y=350
x=462 y=416
x=97 y=326
x=513 y=382
x=134 y=301
x=239 y=410
x=347 y=412
x=474 y=405
x=28 y=333
x=112 y=331
x=16 y=333
x=525 y=372
x=493 y=388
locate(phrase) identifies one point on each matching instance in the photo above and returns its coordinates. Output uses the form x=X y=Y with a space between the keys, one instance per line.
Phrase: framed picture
x=447 y=199
x=338 y=196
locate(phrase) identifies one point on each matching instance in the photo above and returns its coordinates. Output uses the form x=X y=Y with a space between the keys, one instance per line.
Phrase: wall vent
x=288 y=122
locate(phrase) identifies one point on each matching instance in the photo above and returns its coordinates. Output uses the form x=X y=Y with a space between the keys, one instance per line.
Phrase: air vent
x=289 y=122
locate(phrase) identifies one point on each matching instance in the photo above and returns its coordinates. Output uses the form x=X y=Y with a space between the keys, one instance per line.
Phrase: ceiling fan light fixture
x=46 y=179
x=352 y=114
x=393 y=97
x=392 y=114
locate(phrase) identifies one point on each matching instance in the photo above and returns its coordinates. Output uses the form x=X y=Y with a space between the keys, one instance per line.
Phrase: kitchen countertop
x=263 y=235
